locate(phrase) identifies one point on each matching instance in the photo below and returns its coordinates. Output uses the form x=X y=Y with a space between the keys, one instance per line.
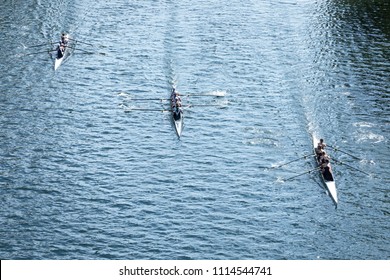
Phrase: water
x=83 y=176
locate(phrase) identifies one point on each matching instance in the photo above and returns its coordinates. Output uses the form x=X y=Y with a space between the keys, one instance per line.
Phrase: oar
x=81 y=42
x=159 y=98
x=217 y=93
x=41 y=52
x=150 y=99
x=35 y=46
x=305 y=156
x=337 y=149
x=350 y=166
x=145 y=109
x=202 y=105
x=185 y=106
x=85 y=52
x=317 y=168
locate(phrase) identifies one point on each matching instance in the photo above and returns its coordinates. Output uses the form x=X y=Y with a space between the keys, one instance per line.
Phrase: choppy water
x=83 y=176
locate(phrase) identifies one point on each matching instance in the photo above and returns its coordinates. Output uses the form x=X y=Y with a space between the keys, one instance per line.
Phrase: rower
x=64 y=39
x=323 y=158
x=318 y=150
x=325 y=166
x=321 y=144
x=176 y=112
x=326 y=170
x=175 y=96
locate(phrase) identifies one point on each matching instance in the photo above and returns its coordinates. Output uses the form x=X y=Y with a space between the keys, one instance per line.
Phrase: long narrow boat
x=326 y=175
x=177 y=112
x=60 y=57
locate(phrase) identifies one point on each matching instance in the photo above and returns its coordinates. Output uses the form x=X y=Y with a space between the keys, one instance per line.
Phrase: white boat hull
x=178 y=125
x=332 y=191
x=58 y=62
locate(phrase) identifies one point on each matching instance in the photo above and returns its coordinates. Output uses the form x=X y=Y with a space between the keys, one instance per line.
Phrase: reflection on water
x=370 y=15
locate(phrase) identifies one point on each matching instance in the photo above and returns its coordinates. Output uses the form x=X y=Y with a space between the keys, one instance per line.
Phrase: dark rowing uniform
x=177 y=113
x=60 y=53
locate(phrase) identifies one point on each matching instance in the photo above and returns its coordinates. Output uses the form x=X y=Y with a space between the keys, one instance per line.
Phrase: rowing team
x=63 y=43
x=322 y=158
x=176 y=103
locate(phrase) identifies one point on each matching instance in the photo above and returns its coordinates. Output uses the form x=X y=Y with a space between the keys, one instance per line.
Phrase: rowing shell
x=177 y=114
x=58 y=61
x=327 y=177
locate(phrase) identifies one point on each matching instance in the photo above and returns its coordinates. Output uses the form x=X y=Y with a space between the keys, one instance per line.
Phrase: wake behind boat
x=325 y=169
x=177 y=112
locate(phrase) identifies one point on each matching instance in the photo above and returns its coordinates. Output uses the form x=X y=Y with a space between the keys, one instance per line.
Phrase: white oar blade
x=218 y=93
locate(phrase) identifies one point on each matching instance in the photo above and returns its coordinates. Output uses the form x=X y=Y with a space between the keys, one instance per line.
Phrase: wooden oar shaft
x=350 y=166
x=317 y=168
x=150 y=99
x=202 y=105
x=344 y=152
x=86 y=52
x=40 y=45
x=41 y=52
x=81 y=42
x=153 y=110
x=167 y=99
x=204 y=94
x=305 y=156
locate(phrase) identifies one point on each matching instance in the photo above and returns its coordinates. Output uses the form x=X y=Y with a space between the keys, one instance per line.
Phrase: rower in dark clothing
x=326 y=170
x=60 y=51
x=177 y=113
x=176 y=104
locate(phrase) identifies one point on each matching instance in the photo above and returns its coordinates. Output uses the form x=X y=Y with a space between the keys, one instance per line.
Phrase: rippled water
x=85 y=176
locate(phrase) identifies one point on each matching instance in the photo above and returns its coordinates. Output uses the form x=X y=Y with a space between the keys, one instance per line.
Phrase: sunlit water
x=85 y=176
